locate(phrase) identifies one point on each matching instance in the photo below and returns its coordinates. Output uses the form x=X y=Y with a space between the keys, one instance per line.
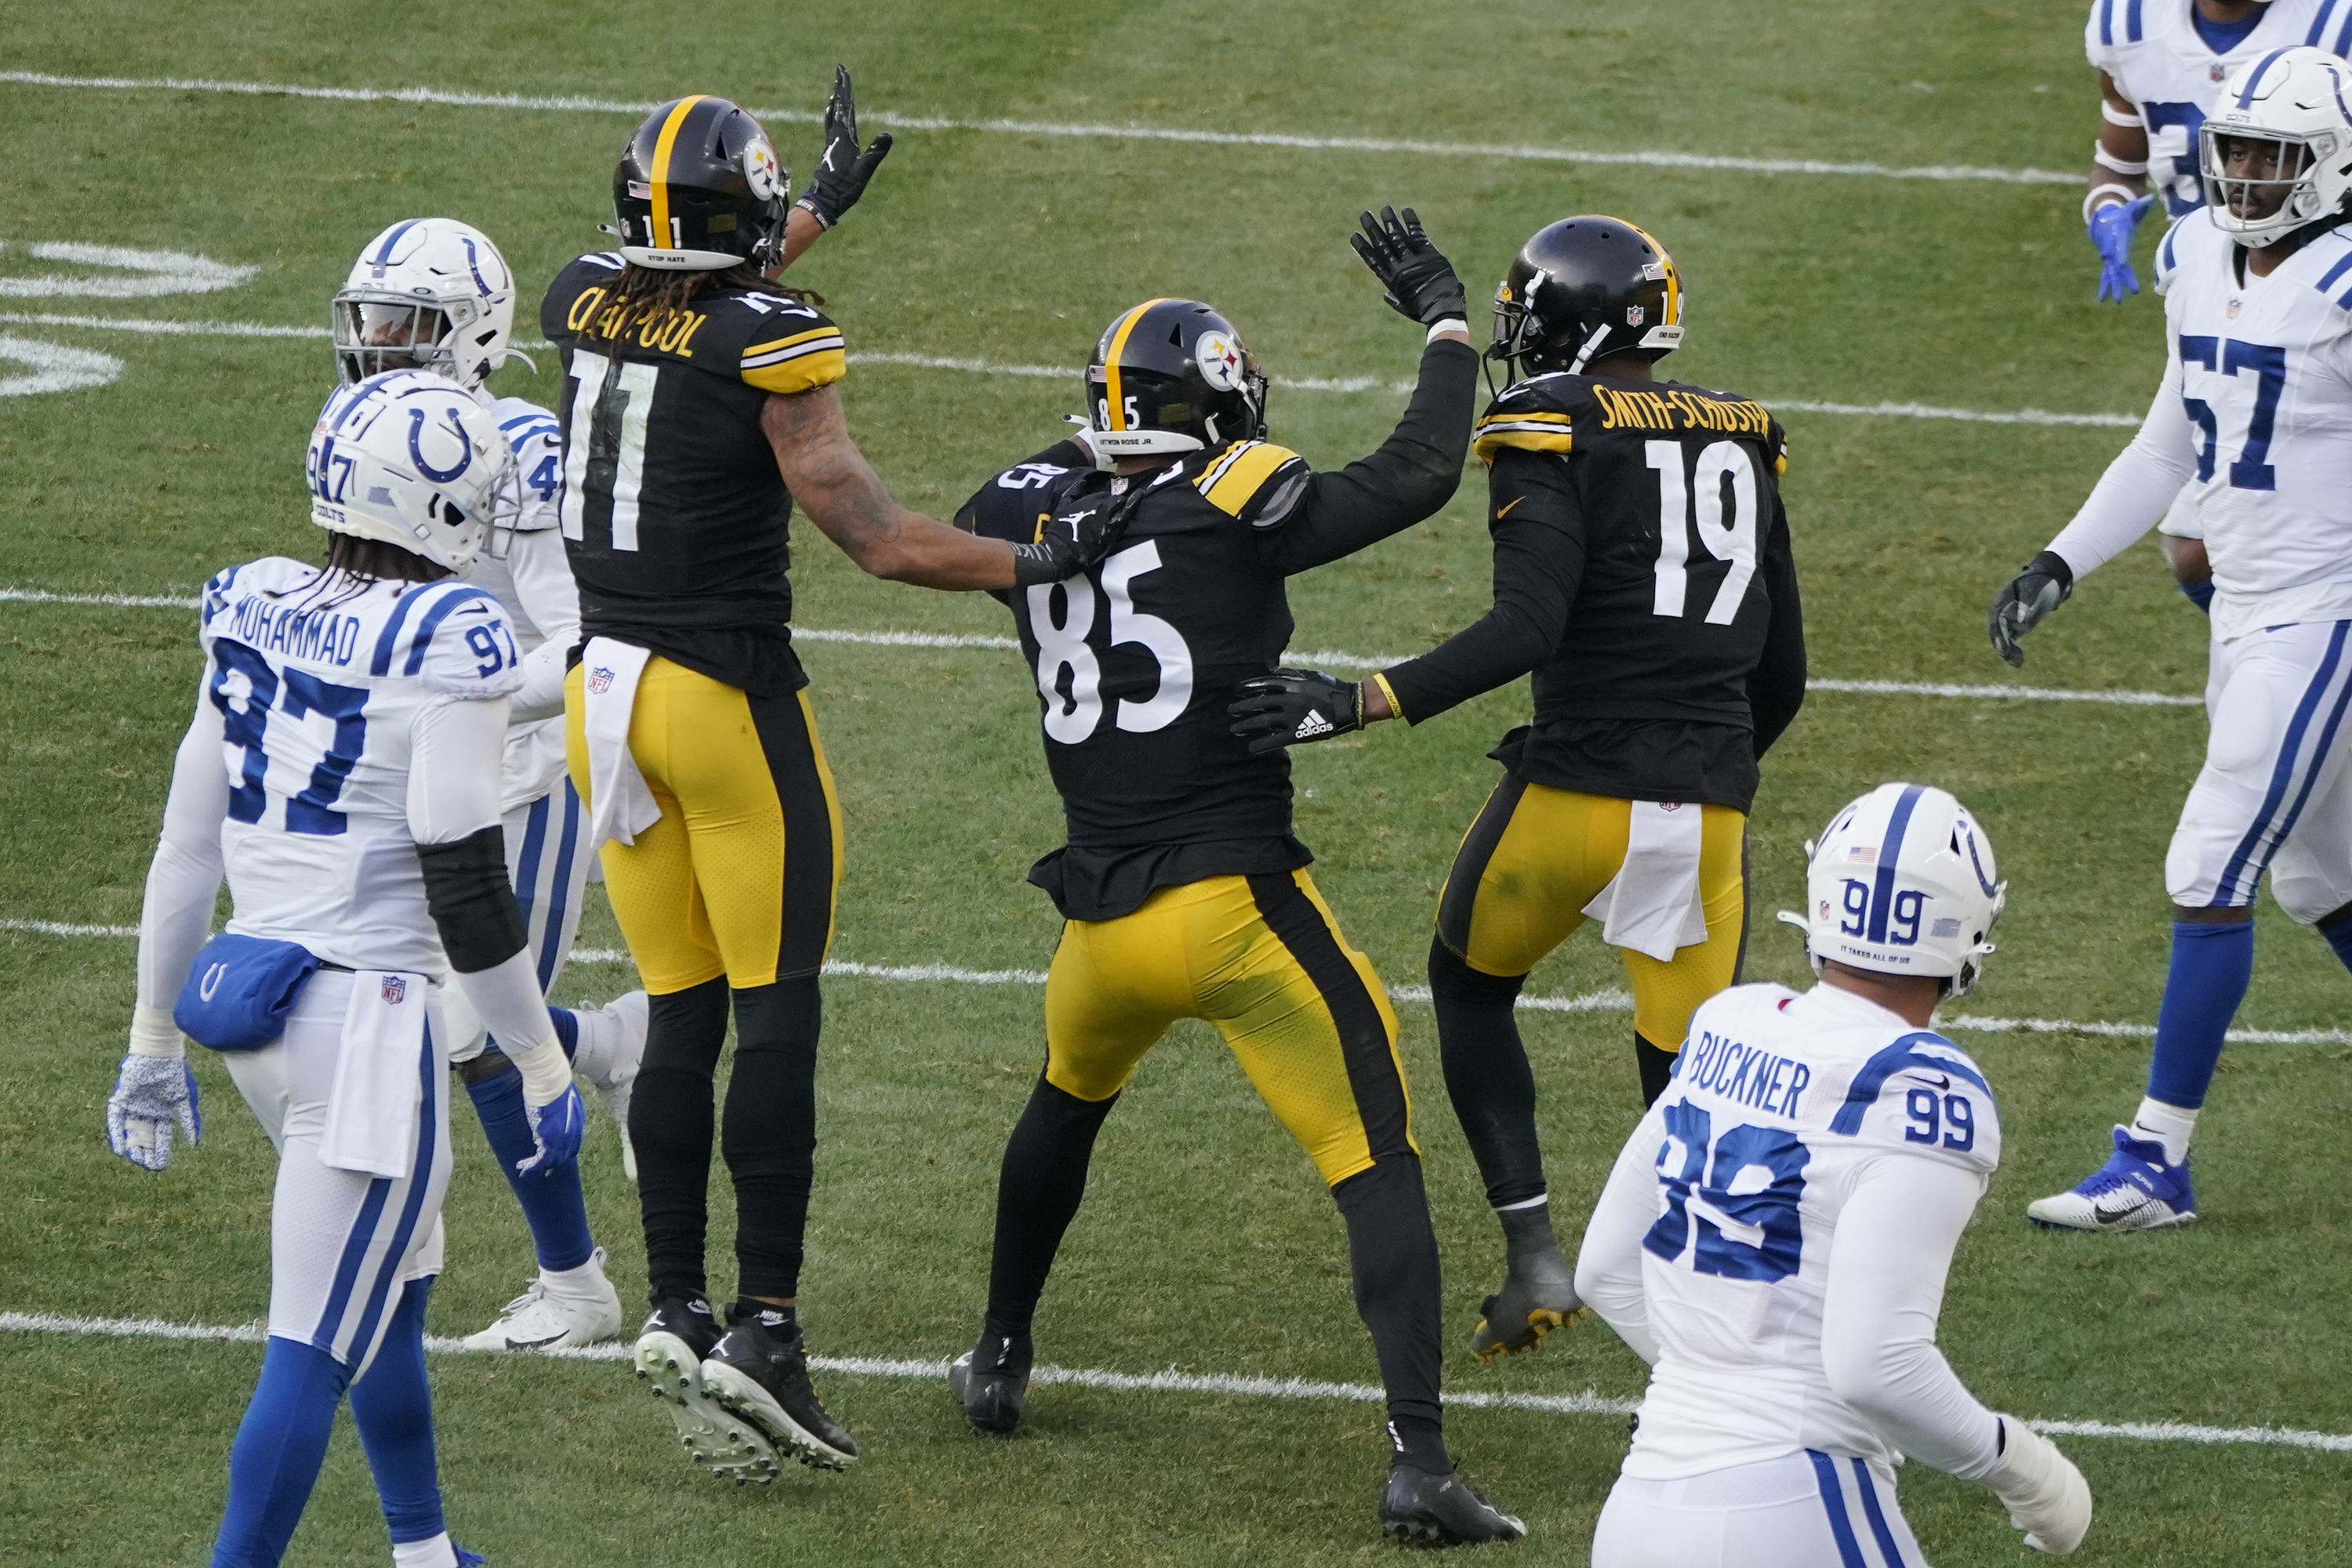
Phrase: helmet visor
x=377 y=334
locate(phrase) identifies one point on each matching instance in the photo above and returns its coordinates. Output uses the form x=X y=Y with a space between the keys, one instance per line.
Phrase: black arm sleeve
x=1413 y=474
x=1538 y=524
x=1776 y=688
x=473 y=905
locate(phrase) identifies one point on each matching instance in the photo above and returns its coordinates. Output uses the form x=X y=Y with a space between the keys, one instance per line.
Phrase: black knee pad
x=1452 y=978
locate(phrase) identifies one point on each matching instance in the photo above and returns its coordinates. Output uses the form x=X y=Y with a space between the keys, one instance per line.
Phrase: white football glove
x=151 y=1094
x=2046 y=1496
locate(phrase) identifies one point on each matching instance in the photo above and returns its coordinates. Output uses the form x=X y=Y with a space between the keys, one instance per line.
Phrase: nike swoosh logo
x=1506 y=510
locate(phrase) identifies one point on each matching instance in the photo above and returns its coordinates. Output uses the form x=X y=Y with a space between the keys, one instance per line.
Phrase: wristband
x=2115 y=116
x=1396 y=708
x=2114 y=194
x=2106 y=160
x=809 y=205
x=1451 y=324
x=153 y=1033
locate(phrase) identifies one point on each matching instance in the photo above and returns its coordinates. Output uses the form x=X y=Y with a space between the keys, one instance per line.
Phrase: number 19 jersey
x=319 y=678
x=1780 y=1104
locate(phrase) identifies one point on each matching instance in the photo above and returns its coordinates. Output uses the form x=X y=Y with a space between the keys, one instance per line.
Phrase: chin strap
x=1576 y=367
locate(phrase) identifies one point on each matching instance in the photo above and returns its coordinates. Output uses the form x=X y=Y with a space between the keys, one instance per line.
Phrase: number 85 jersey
x=1779 y=1106
x=318 y=678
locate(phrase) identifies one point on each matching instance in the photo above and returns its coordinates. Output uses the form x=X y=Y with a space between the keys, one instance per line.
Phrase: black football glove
x=842 y=170
x=1084 y=529
x=1293 y=707
x=2028 y=600
x=1420 y=281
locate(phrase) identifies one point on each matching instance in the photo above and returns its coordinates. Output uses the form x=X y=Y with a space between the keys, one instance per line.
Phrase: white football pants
x=1803 y=1510
x=2274 y=794
x=548 y=860
x=342 y=1244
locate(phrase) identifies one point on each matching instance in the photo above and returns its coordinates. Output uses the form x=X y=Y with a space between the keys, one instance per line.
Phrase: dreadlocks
x=653 y=294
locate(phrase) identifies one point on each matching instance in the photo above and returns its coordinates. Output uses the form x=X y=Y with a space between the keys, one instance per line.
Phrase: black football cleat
x=992 y=1381
x=760 y=1375
x=1538 y=1291
x=669 y=1357
x=1422 y=1510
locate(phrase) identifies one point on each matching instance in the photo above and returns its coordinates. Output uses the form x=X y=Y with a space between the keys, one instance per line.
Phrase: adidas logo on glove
x=1314 y=724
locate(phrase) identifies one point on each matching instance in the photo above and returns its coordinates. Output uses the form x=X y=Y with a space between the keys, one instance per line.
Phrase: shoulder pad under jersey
x=578 y=292
x=1015 y=504
x=1922 y=1094
x=455 y=637
x=537 y=442
x=2336 y=279
x=1257 y=482
x=772 y=343
x=1538 y=415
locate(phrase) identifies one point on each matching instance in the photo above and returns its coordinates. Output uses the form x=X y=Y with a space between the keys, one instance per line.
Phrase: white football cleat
x=612 y=1045
x=543 y=1319
x=2135 y=1190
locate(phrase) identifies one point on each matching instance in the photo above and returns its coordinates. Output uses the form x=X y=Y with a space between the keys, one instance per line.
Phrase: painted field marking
x=1588 y=1403
x=54 y=367
x=134 y=275
x=1063 y=373
x=1609 y=999
x=1336 y=658
x=1654 y=159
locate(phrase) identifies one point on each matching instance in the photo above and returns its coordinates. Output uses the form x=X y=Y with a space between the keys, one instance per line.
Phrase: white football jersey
x=2259 y=373
x=1779 y=1104
x=525 y=567
x=318 y=687
x=2153 y=52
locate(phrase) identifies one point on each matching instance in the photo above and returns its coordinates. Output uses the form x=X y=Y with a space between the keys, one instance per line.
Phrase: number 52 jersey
x=1780 y=1104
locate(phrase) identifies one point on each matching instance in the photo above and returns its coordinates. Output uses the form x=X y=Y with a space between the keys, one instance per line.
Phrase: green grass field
x=1206 y=1244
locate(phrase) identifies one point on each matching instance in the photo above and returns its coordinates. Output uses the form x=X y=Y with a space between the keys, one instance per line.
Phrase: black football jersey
x=674 y=518
x=1639 y=525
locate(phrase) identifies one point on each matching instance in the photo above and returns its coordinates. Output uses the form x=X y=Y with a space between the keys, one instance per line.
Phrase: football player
x=2254 y=415
x=1642 y=572
x=1185 y=891
x=342 y=772
x=698 y=405
x=1775 y=1237
x=2161 y=64
x=435 y=294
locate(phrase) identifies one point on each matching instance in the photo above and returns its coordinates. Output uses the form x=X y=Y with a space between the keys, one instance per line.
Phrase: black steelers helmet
x=1581 y=290
x=1172 y=375
x=699 y=188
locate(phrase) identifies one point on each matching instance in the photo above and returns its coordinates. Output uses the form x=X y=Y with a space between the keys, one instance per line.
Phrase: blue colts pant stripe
x=526 y=867
x=1833 y=1503
x=347 y=1271
x=2276 y=819
x=420 y=1177
x=1879 y=1532
x=559 y=886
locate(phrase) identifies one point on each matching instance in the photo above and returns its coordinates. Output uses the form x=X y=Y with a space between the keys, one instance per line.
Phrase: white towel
x=621 y=805
x=1651 y=906
x=372 y=1111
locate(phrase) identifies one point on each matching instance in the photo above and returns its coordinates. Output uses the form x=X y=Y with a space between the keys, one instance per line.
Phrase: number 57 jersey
x=1780 y=1105
x=319 y=678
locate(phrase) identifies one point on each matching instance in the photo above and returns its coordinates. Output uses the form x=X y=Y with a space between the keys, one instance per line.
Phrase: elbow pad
x=473 y=905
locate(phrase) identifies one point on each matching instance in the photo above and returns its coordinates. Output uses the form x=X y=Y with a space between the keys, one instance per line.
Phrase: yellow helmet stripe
x=1110 y=360
x=659 y=176
x=1674 y=277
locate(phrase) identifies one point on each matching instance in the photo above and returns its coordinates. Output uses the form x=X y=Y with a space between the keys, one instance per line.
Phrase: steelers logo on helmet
x=762 y=170
x=1220 y=359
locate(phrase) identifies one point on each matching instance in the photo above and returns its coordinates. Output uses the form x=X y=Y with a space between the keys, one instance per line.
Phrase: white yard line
x=1607 y=1000
x=165 y=328
x=1332 y=657
x=572 y=104
x=1586 y=1404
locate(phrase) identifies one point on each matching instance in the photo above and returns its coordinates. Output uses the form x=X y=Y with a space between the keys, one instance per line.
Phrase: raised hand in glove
x=1420 y=281
x=1085 y=529
x=1294 y=707
x=151 y=1096
x=2027 y=601
x=842 y=170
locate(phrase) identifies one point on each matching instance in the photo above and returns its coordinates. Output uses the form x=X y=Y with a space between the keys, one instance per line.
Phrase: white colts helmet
x=430 y=293
x=412 y=459
x=1902 y=882
x=2300 y=99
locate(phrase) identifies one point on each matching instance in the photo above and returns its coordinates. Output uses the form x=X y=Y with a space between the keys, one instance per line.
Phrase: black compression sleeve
x=1776 y=688
x=473 y=905
x=1537 y=525
x=1413 y=474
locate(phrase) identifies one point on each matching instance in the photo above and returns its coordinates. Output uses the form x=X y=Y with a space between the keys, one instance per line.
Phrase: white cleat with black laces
x=545 y=1317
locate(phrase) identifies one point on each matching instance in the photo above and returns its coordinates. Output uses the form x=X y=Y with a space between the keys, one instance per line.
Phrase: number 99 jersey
x=1779 y=1105
x=318 y=681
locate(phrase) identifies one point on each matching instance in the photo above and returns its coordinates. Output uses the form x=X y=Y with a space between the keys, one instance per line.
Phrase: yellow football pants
x=1262 y=959
x=740 y=875
x=1537 y=856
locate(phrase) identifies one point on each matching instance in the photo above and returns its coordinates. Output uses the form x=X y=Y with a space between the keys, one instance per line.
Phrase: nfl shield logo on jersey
x=395 y=989
x=600 y=681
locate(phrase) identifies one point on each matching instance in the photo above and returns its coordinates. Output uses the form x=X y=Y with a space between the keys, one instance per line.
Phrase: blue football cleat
x=2135 y=1190
x=470 y=1559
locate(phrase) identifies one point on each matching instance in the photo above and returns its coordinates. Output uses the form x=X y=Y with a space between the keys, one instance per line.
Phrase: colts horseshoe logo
x=417 y=453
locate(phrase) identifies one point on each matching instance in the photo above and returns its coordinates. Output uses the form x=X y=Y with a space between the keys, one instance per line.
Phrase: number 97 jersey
x=1780 y=1105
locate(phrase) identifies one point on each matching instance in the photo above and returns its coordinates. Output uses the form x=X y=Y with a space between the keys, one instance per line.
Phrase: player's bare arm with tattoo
x=846 y=499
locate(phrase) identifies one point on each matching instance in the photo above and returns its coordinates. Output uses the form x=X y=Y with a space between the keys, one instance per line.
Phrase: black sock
x=1393 y=1263
x=1038 y=1191
x=1657 y=1068
x=748 y=1309
x=669 y=1127
x=1486 y=1074
x=769 y=1136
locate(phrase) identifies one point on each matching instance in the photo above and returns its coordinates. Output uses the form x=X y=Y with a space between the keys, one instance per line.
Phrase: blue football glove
x=2111 y=227
x=555 y=1130
x=151 y=1094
